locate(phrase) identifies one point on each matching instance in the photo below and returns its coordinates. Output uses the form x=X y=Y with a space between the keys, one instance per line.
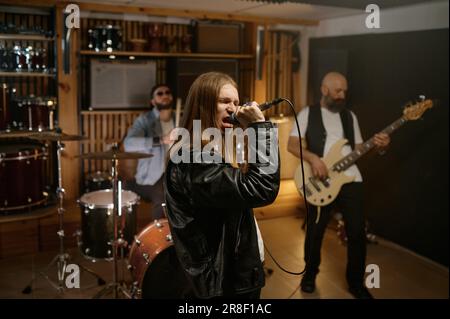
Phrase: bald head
x=334 y=90
x=333 y=80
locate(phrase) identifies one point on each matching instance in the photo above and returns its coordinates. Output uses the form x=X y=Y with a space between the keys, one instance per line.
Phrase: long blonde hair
x=201 y=102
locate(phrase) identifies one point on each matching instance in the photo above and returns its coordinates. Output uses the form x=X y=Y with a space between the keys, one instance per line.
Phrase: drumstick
x=178 y=112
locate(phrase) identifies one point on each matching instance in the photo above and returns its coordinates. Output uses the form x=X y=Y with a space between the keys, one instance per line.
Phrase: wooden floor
x=402 y=273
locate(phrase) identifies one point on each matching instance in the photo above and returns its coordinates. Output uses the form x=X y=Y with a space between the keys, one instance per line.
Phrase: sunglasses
x=161 y=93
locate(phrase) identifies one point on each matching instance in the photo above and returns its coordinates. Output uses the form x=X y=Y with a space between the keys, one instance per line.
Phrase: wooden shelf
x=25 y=37
x=113 y=111
x=26 y=74
x=167 y=55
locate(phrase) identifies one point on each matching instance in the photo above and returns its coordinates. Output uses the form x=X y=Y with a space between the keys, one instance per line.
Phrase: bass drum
x=154 y=266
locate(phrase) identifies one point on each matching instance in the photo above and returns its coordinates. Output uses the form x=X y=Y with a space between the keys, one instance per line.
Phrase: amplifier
x=215 y=37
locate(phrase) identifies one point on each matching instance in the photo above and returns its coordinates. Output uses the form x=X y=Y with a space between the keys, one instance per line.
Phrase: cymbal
x=14 y=134
x=53 y=136
x=114 y=154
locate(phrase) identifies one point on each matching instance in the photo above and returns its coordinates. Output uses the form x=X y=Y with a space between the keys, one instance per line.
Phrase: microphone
x=264 y=106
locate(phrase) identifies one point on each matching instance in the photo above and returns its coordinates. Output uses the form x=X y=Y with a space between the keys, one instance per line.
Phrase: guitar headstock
x=414 y=111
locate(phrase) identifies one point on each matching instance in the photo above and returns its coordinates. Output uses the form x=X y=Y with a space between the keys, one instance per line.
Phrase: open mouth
x=226 y=122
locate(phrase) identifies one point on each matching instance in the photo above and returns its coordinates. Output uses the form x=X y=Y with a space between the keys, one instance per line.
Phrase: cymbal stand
x=117 y=242
x=62 y=257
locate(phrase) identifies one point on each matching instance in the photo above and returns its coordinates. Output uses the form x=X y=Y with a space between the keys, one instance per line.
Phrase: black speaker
x=183 y=72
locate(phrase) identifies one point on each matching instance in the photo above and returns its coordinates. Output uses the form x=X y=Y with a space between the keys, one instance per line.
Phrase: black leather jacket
x=209 y=207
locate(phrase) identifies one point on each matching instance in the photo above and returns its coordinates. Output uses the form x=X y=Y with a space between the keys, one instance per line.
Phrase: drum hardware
x=62 y=257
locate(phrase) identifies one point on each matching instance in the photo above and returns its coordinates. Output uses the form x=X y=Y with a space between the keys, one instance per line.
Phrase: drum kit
x=109 y=229
x=108 y=213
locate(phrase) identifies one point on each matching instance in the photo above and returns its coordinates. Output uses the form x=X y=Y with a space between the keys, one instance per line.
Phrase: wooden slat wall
x=246 y=80
x=102 y=128
x=282 y=81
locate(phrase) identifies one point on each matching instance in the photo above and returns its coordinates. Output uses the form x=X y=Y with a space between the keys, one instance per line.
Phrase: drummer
x=150 y=134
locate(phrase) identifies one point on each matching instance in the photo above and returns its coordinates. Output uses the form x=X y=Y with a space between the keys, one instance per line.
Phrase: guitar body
x=320 y=193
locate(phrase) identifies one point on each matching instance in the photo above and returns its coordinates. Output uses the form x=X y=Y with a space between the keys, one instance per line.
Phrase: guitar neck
x=351 y=158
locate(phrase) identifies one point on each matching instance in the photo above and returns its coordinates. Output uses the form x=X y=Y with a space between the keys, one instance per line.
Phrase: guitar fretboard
x=351 y=158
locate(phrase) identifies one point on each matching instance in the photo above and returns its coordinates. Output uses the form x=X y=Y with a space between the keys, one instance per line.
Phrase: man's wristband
x=156 y=140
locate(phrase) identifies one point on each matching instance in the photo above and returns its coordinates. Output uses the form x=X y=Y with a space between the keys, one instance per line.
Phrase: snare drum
x=97 y=224
x=22 y=176
x=154 y=266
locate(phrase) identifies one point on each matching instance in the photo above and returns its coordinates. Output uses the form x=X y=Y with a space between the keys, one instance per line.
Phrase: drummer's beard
x=162 y=106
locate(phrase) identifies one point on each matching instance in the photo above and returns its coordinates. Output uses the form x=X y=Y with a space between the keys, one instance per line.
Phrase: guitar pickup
x=307 y=191
x=312 y=180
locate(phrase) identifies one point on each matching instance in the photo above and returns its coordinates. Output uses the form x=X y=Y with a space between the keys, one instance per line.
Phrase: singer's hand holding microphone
x=251 y=112
x=248 y=113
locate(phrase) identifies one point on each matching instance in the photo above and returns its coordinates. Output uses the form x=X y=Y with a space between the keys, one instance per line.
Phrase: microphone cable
x=304 y=195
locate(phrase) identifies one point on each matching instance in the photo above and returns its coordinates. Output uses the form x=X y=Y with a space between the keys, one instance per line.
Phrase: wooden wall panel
x=102 y=128
x=281 y=79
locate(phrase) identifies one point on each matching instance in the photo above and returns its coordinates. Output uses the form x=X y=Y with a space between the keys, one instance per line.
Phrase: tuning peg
x=422 y=98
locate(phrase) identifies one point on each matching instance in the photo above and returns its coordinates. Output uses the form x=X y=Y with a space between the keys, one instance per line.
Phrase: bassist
x=322 y=125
